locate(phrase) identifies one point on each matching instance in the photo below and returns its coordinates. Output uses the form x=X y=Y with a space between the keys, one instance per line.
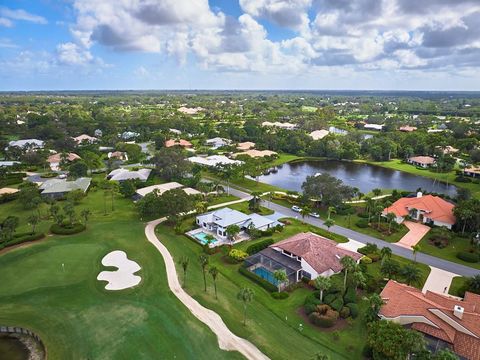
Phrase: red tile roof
x=181 y=142
x=435 y=207
x=439 y=319
x=427 y=160
x=320 y=253
x=56 y=158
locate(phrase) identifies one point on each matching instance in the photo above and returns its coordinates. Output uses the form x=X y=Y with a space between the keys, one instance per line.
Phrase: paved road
x=226 y=339
x=351 y=234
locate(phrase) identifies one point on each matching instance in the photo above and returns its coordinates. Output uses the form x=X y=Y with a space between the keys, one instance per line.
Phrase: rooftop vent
x=419 y=194
x=458 y=311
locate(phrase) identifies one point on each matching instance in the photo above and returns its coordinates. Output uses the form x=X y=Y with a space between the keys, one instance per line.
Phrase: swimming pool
x=266 y=274
x=202 y=238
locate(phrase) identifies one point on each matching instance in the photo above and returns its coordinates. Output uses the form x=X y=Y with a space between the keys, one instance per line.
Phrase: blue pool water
x=202 y=237
x=266 y=274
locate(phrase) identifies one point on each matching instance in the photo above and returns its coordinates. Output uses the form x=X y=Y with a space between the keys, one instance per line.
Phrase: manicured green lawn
x=457 y=288
x=73 y=313
x=221 y=199
x=456 y=244
x=275 y=326
x=445 y=177
x=243 y=207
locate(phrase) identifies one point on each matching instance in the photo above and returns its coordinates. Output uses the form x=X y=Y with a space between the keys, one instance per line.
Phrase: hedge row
x=253 y=249
x=329 y=235
x=8 y=197
x=62 y=230
x=468 y=257
x=262 y=282
x=21 y=238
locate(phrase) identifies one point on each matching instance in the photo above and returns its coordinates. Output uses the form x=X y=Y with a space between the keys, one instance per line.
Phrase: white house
x=125 y=174
x=30 y=144
x=217 y=221
x=213 y=160
x=218 y=142
x=161 y=188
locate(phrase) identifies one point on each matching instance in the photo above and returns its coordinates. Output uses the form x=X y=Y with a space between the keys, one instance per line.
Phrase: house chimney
x=419 y=194
x=458 y=311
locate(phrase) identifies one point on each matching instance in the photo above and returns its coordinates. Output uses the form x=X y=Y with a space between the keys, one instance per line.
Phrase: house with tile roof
x=182 y=143
x=253 y=153
x=421 y=161
x=303 y=255
x=428 y=209
x=58 y=188
x=84 y=138
x=55 y=159
x=247 y=145
x=125 y=174
x=162 y=188
x=445 y=321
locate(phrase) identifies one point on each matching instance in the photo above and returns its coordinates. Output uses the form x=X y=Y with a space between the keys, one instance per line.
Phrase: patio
x=200 y=234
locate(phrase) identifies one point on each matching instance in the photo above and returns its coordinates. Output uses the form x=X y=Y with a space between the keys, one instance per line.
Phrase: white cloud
x=6 y=22
x=20 y=14
x=72 y=54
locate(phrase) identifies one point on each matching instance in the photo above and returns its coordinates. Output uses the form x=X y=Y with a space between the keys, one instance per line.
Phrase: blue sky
x=240 y=44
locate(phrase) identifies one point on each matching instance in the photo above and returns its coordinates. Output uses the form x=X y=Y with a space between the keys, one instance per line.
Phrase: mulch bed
x=340 y=324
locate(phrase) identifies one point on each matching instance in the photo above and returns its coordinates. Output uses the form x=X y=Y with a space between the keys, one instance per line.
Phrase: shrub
x=468 y=257
x=350 y=296
x=321 y=320
x=345 y=312
x=337 y=304
x=262 y=282
x=312 y=299
x=322 y=309
x=368 y=249
x=332 y=314
x=309 y=308
x=21 y=238
x=252 y=249
x=8 y=197
x=329 y=298
x=374 y=257
x=353 y=309
x=366 y=260
x=237 y=254
x=362 y=223
x=66 y=229
x=279 y=295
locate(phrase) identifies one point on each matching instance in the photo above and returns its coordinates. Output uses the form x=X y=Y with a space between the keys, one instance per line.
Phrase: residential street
x=351 y=234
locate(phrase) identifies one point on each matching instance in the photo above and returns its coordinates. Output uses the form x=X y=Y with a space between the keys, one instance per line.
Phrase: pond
x=13 y=349
x=363 y=176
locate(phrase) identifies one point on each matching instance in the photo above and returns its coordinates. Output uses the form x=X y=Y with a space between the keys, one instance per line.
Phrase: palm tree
x=390 y=217
x=368 y=206
x=85 y=214
x=322 y=283
x=246 y=295
x=329 y=223
x=305 y=211
x=331 y=210
x=375 y=303
x=379 y=210
x=255 y=201
x=201 y=207
x=389 y=268
x=184 y=261
x=203 y=259
x=281 y=277
x=214 y=272
x=385 y=253
x=376 y=192
x=348 y=264
x=412 y=274
x=33 y=221
x=416 y=248
x=358 y=279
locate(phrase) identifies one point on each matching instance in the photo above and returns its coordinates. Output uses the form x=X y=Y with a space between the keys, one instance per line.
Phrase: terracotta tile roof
x=438 y=316
x=245 y=145
x=320 y=253
x=436 y=208
x=407 y=128
x=56 y=158
x=181 y=142
x=427 y=160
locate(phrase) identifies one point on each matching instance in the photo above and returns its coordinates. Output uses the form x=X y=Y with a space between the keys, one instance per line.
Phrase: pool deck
x=219 y=241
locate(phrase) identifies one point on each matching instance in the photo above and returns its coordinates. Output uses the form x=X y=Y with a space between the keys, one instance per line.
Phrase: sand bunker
x=124 y=277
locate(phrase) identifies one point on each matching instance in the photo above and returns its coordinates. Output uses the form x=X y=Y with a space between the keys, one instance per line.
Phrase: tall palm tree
x=416 y=248
x=358 y=279
x=214 y=272
x=281 y=277
x=348 y=264
x=255 y=201
x=390 y=217
x=375 y=302
x=322 y=283
x=245 y=295
x=411 y=274
x=203 y=259
x=184 y=261
x=305 y=211
x=385 y=253
x=329 y=223
x=389 y=268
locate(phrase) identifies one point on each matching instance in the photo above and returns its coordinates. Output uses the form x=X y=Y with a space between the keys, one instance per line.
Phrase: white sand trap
x=124 y=277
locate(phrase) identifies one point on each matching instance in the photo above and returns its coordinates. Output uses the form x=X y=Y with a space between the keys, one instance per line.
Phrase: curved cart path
x=226 y=339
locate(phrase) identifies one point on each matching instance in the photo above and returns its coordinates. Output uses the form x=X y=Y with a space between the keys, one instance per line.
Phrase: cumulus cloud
x=7 y=15
x=360 y=34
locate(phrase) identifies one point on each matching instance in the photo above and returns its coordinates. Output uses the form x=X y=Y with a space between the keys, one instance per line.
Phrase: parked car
x=296 y=208
x=315 y=215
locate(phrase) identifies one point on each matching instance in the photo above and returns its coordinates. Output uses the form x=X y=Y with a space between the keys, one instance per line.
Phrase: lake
x=363 y=176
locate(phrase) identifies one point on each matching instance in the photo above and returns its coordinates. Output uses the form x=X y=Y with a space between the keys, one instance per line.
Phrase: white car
x=296 y=208
x=315 y=215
